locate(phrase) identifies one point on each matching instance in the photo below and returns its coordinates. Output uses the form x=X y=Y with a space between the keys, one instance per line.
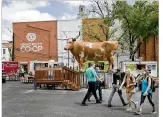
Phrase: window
x=4 y=51
x=100 y=65
x=81 y=9
x=46 y=64
x=140 y=66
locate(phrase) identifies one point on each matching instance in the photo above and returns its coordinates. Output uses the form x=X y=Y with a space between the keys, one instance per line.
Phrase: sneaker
x=138 y=113
x=98 y=101
x=89 y=100
x=129 y=109
x=84 y=104
x=125 y=104
x=153 y=112
x=136 y=104
x=109 y=105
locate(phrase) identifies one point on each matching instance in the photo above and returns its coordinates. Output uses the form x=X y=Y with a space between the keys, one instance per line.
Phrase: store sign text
x=31 y=47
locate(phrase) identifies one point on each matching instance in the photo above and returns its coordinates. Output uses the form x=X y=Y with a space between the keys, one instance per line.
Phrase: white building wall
x=67 y=29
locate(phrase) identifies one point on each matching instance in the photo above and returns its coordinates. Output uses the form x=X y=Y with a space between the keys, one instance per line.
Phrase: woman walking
x=146 y=91
x=130 y=82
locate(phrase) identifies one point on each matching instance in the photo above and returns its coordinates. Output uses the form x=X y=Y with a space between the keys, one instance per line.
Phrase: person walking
x=50 y=73
x=130 y=82
x=22 y=72
x=91 y=77
x=98 y=85
x=146 y=91
x=116 y=83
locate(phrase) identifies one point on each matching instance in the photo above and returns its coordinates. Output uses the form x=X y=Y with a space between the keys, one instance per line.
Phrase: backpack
x=132 y=82
x=152 y=84
x=139 y=84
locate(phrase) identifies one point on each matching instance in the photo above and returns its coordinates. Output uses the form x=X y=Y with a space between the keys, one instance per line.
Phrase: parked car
x=4 y=77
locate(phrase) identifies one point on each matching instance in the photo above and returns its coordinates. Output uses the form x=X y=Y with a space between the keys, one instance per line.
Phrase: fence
x=107 y=79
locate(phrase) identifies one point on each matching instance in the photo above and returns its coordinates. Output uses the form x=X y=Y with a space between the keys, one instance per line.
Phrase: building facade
x=35 y=41
x=5 y=53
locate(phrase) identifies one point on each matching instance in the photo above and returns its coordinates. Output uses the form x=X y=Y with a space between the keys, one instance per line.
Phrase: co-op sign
x=30 y=46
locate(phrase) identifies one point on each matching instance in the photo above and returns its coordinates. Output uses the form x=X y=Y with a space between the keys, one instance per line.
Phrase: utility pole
x=68 y=56
x=117 y=60
x=13 y=47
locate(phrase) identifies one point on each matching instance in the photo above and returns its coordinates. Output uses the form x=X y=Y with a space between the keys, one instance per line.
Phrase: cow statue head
x=70 y=44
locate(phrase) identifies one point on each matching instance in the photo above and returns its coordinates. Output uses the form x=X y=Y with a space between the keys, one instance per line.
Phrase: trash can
x=4 y=77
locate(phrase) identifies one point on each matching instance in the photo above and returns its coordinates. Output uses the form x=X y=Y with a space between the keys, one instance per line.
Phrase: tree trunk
x=133 y=58
x=139 y=44
x=131 y=48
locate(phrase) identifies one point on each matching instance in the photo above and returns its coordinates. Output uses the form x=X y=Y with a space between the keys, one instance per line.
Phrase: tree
x=139 y=22
x=98 y=29
x=94 y=30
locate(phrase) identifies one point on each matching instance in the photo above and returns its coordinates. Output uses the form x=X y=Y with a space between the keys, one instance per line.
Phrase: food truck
x=134 y=65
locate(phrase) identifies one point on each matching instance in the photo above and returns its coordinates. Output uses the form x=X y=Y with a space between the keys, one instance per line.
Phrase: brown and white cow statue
x=89 y=51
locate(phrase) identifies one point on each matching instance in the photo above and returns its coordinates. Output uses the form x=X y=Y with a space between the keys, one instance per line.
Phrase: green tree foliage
x=139 y=22
x=94 y=30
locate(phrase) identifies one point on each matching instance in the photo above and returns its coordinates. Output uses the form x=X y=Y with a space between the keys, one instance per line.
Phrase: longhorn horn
x=77 y=36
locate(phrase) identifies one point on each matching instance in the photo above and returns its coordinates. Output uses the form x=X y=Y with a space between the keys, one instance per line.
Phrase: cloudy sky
x=37 y=10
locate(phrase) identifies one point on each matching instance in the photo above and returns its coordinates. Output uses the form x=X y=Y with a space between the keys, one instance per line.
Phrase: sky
x=37 y=10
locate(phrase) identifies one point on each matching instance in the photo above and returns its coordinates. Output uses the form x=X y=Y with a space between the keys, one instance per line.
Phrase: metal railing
x=108 y=79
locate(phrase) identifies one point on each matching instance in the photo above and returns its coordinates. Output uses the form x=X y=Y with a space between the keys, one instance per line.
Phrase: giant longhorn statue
x=92 y=51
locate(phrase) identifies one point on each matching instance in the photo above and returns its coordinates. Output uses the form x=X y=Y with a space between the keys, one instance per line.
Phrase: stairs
x=71 y=85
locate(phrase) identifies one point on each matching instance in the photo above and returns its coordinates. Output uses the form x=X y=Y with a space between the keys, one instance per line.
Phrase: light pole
x=117 y=59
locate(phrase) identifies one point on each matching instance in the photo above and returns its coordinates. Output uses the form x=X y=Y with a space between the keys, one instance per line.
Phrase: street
x=21 y=100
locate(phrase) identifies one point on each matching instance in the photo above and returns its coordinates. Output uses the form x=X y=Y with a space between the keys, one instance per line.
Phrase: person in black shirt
x=117 y=80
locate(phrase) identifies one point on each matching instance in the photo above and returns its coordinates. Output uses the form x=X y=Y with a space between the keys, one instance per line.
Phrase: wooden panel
x=57 y=75
x=142 y=51
x=149 y=50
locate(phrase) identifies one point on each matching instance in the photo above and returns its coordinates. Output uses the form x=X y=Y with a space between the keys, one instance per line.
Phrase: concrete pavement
x=20 y=100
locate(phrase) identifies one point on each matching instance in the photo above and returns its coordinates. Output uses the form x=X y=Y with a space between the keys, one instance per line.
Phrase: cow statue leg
x=111 y=62
x=81 y=64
